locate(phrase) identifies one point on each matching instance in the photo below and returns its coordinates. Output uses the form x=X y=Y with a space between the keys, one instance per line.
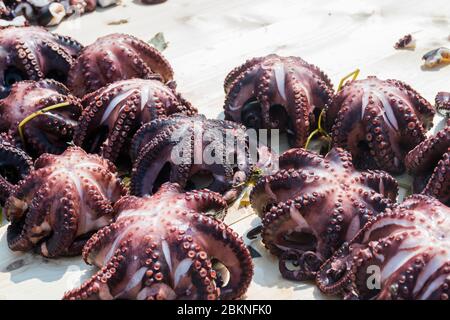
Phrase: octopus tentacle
x=424 y=156
x=299 y=158
x=100 y=285
x=67 y=217
x=37 y=131
x=204 y=200
x=303 y=112
x=61 y=203
x=232 y=254
x=428 y=162
x=381 y=182
x=381 y=150
x=236 y=72
x=32 y=227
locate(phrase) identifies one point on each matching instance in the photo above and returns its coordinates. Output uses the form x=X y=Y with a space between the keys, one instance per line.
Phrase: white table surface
x=207 y=38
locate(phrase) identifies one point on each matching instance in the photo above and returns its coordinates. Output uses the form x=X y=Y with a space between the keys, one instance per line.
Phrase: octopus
x=48 y=12
x=429 y=164
x=40 y=116
x=379 y=122
x=33 y=53
x=442 y=103
x=163 y=247
x=313 y=204
x=274 y=92
x=61 y=203
x=116 y=57
x=401 y=254
x=15 y=165
x=114 y=113
x=436 y=57
x=193 y=151
x=405 y=42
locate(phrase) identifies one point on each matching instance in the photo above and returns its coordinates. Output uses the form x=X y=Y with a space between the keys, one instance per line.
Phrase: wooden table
x=207 y=38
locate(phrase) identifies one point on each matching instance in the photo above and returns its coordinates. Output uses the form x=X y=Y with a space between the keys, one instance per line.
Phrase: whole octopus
x=379 y=122
x=33 y=53
x=274 y=92
x=314 y=204
x=61 y=202
x=401 y=254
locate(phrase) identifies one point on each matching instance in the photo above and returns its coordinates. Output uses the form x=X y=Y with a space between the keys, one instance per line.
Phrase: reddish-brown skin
x=62 y=202
x=442 y=102
x=116 y=57
x=274 y=92
x=379 y=122
x=49 y=132
x=112 y=114
x=314 y=204
x=401 y=254
x=157 y=144
x=162 y=247
x=15 y=165
x=429 y=164
x=33 y=53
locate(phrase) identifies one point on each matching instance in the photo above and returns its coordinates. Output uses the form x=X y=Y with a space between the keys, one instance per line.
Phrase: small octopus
x=379 y=122
x=274 y=92
x=15 y=165
x=114 y=113
x=436 y=57
x=406 y=42
x=162 y=247
x=401 y=254
x=33 y=53
x=193 y=151
x=40 y=116
x=116 y=57
x=314 y=204
x=429 y=163
x=442 y=103
x=61 y=203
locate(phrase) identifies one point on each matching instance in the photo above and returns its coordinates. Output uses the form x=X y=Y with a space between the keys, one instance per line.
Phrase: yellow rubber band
x=354 y=75
x=37 y=113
